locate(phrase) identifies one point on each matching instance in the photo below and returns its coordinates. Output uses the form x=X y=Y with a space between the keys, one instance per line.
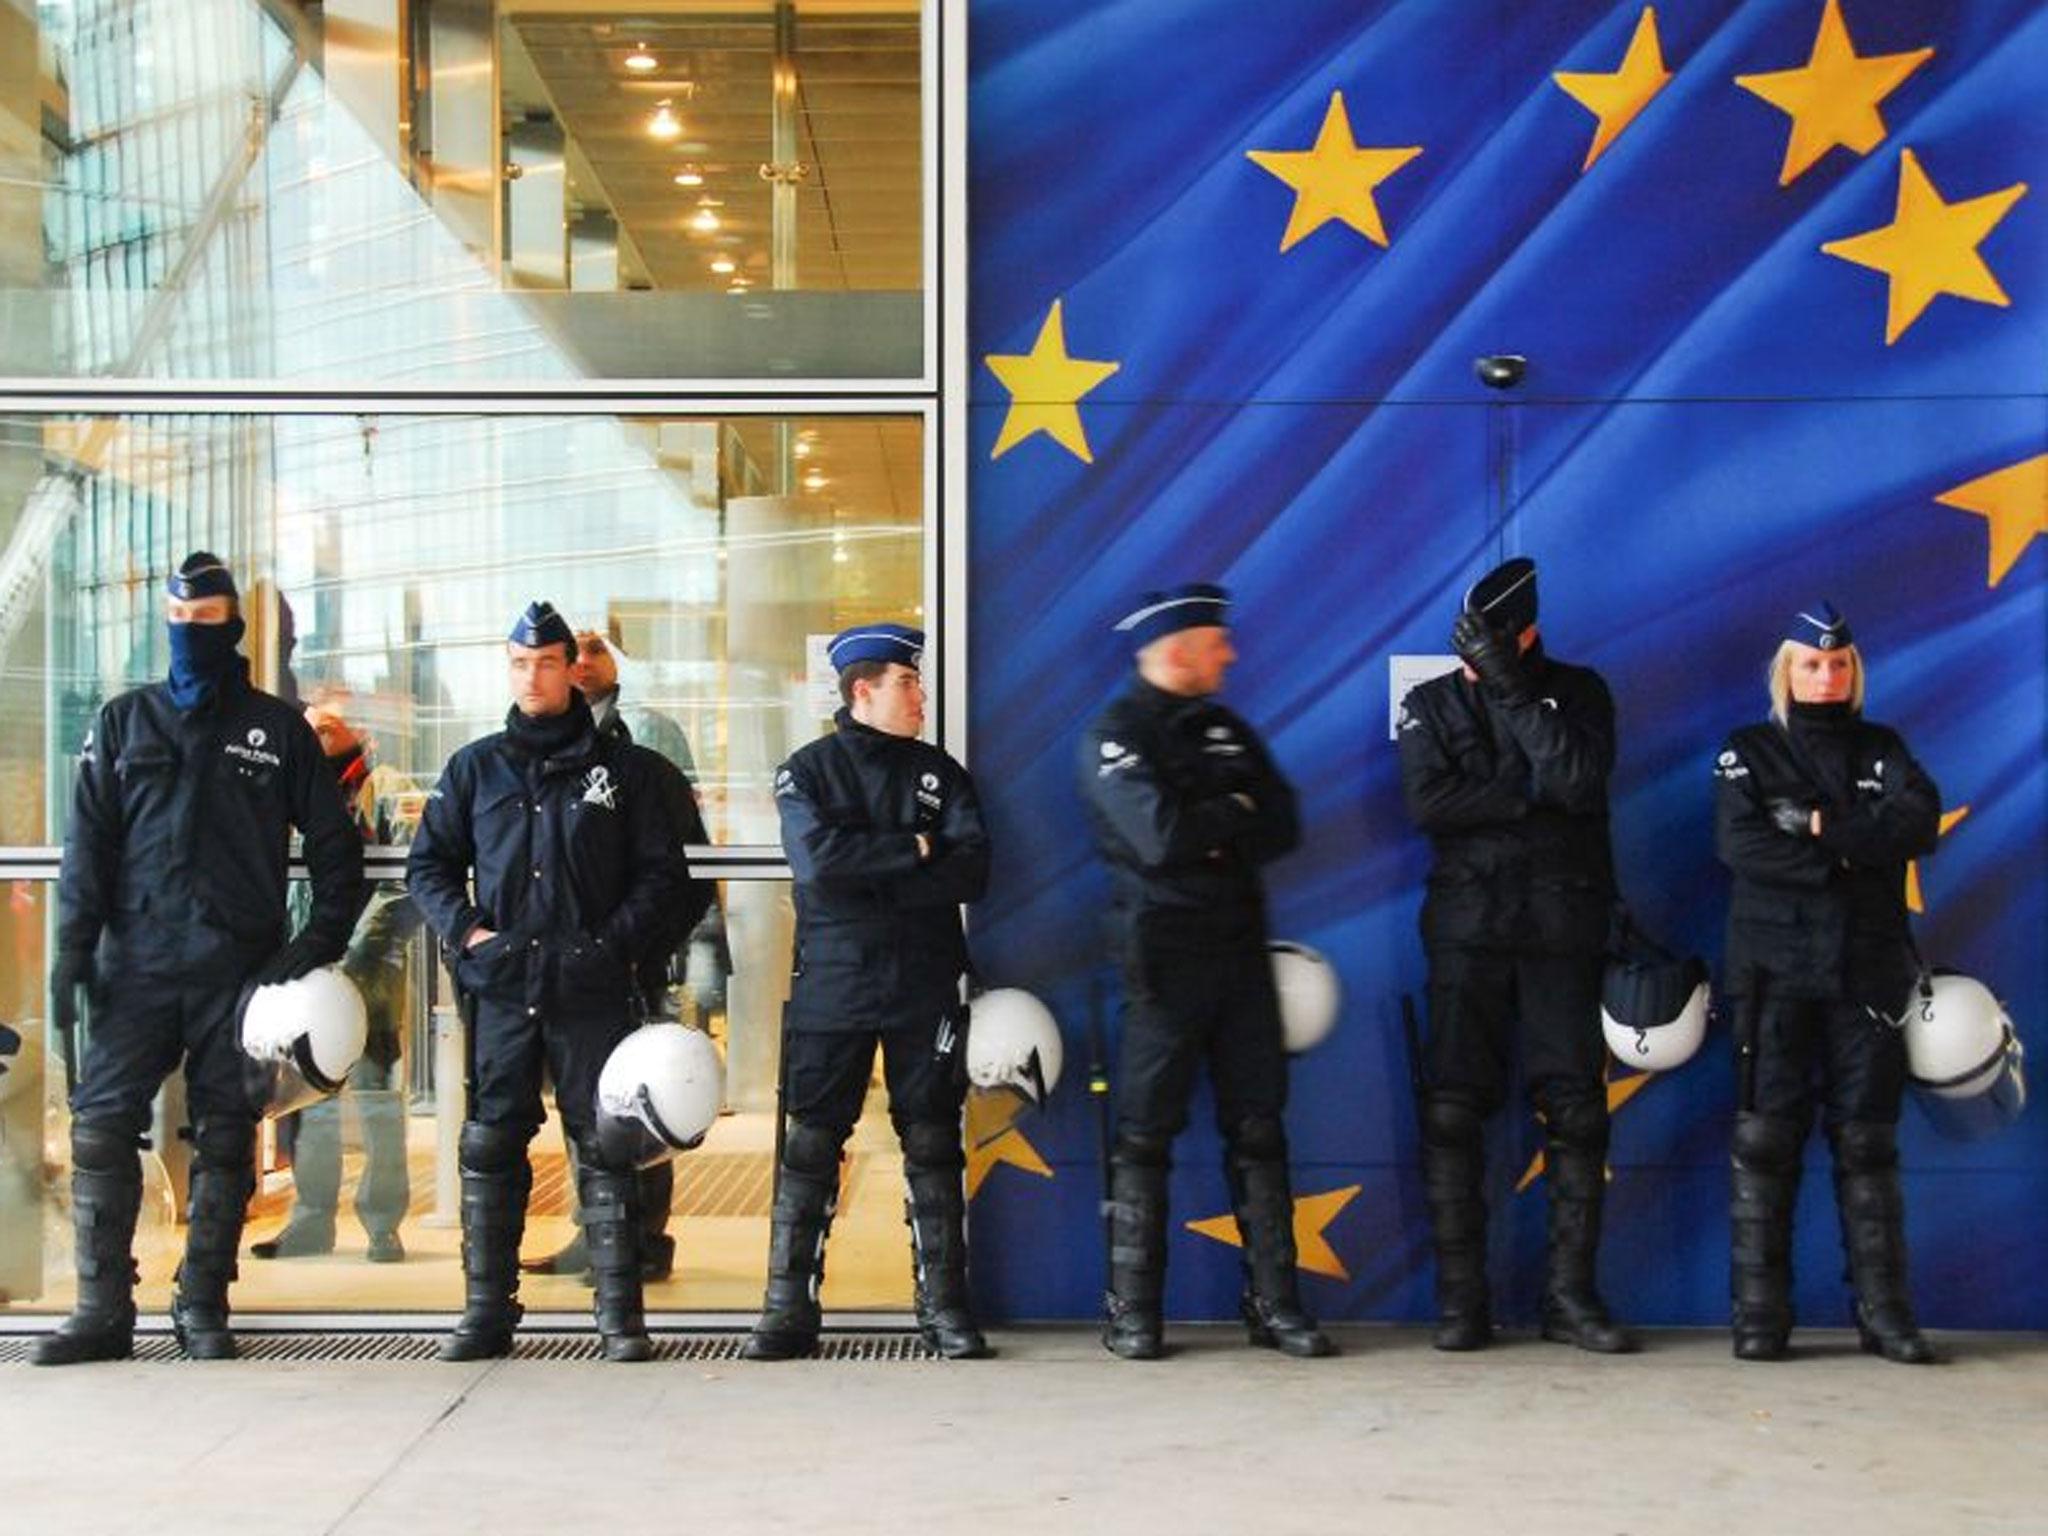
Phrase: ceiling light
x=640 y=61
x=839 y=557
x=802 y=449
x=665 y=124
x=705 y=220
x=815 y=481
x=722 y=265
x=689 y=176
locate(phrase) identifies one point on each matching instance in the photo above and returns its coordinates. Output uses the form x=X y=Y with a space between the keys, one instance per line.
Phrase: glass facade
x=635 y=305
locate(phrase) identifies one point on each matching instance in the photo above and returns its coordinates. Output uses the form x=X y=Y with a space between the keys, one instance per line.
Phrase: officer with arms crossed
x=575 y=869
x=1817 y=811
x=1187 y=806
x=1505 y=765
x=171 y=908
x=885 y=840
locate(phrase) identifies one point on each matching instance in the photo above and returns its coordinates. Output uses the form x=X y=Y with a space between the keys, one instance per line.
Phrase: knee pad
x=1142 y=1151
x=218 y=1143
x=812 y=1149
x=100 y=1148
x=1451 y=1122
x=1865 y=1146
x=932 y=1144
x=491 y=1148
x=1766 y=1141
x=1257 y=1139
x=1576 y=1117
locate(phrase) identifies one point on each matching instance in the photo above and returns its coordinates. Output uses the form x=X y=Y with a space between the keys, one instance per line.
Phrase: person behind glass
x=376 y=963
x=1816 y=811
x=885 y=841
x=1504 y=764
x=566 y=836
x=1187 y=806
x=171 y=907
x=595 y=675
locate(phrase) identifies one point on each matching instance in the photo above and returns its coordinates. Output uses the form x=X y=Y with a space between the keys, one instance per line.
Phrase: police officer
x=575 y=870
x=885 y=840
x=1505 y=765
x=376 y=963
x=1817 y=811
x=596 y=676
x=171 y=908
x=1187 y=807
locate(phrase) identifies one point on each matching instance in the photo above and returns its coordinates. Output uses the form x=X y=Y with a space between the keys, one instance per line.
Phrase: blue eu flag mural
x=1782 y=288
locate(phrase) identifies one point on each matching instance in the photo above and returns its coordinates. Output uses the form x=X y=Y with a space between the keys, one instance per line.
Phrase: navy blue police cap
x=877 y=642
x=540 y=625
x=1821 y=627
x=1505 y=597
x=202 y=575
x=1193 y=605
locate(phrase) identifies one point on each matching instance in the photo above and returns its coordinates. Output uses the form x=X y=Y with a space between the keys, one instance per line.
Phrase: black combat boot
x=1573 y=1312
x=106 y=1196
x=805 y=1203
x=611 y=1228
x=936 y=1213
x=1135 y=1326
x=1453 y=1161
x=223 y=1179
x=1764 y=1190
x=1271 y=1304
x=1873 y=1212
x=496 y=1180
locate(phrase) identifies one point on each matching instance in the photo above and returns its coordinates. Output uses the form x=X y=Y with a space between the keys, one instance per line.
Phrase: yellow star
x=1915 y=902
x=1834 y=99
x=992 y=1138
x=1312 y=1214
x=1334 y=180
x=1045 y=387
x=1930 y=247
x=2013 y=501
x=1619 y=1092
x=1616 y=98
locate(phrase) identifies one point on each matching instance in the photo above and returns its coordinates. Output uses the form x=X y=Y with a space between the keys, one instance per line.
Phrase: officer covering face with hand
x=546 y=863
x=885 y=840
x=1505 y=765
x=171 y=908
x=1188 y=806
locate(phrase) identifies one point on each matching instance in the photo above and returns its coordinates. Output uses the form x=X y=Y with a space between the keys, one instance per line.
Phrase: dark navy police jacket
x=879 y=943
x=184 y=818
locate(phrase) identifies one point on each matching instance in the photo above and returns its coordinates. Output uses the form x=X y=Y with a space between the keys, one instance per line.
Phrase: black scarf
x=546 y=736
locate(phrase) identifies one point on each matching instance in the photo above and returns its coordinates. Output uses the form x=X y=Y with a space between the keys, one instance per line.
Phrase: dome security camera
x=1501 y=370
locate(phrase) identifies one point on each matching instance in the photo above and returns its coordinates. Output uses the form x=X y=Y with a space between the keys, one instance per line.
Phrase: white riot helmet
x=1965 y=1057
x=302 y=1039
x=1310 y=995
x=1653 y=1004
x=658 y=1095
x=1013 y=1045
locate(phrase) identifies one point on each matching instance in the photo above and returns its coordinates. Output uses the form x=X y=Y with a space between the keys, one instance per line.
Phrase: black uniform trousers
x=1859 y=1060
x=1478 y=997
x=510 y=1045
x=826 y=1076
x=1183 y=1008
x=166 y=995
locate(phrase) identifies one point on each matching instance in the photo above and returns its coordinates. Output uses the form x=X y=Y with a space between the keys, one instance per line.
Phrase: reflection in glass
x=445 y=190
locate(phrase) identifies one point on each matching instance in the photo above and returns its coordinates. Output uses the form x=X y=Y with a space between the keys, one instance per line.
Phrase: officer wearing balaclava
x=171 y=906
x=1505 y=765
x=546 y=862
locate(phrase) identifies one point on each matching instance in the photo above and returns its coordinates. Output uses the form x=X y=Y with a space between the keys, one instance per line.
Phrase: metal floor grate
x=331 y=1348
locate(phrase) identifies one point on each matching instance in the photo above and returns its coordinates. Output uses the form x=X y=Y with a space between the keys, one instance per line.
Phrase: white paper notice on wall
x=821 y=683
x=1406 y=672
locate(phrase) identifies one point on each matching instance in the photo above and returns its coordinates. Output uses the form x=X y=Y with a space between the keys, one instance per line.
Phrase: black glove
x=1492 y=655
x=1794 y=818
x=72 y=971
x=302 y=956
